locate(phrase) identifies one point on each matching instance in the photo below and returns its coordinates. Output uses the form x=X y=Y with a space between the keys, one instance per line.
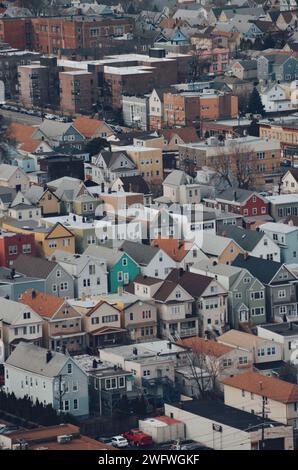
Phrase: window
x=65 y=405
x=111 y=383
x=75 y=386
x=26 y=249
x=12 y=250
x=120 y=276
x=91 y=269
x=243 y=393
x=26 y=315
x=69 y=368
x=131 y=316
x=58 y=273
x=52 y=244
x=281 y=294
x=124 y=262
x=64 y=286
x=146 y=373
x=66 y=242
x=227 y=362
x=121 y=382
x=76 y=404
x=243 y=360
x=94 y=320
x=109 y=318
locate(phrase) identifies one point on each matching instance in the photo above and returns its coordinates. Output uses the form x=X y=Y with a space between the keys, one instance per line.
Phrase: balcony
x=185 y=332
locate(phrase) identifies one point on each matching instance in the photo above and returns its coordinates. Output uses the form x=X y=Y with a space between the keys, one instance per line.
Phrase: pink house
x=217 y=58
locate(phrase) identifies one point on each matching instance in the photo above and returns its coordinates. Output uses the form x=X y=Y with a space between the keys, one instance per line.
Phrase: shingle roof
x=206 y=346
x=262 y=269
x=235 y=195
x=33 y=359
x=142 y=254
x=270 y=387
x=88 y=127
x=177 y=178
x=111 y=157
x=214 y=245
x=135 y=184
x=34 y=267
x=45 y=305
x=6 y=171
x=54 y=129
x=194 y=284
x=10 y=310
x=165 y=290
x=246 y=239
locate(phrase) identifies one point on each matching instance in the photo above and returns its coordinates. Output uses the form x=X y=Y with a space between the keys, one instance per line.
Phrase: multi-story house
x=22 y=209
x=13 y=177
x=109 y=166
x=13 y=284
x=50 y=377
x=280 y=284
x=135 y=111
x=59 y=133
x=210 y=300
x=57 y=281
x=153 y=261
x=285 y=237
x=44 y=198
x=12 y=244
x=262 y=350
x=122 y=268
x=219 y=249
x=286 y=334
x=282 y=67
x=251 y=391
x=224 y=360
x=282 y=206
x=276 y=99
x=186 y=254
x=246 y=294
x=240 y=201
x=139 y=318
x=102 y=323
x=180 y=188
x=18 y=322
x=90 y=274
x=93 y=128
x=290 y=182
x=255 y=243
x=62 y=327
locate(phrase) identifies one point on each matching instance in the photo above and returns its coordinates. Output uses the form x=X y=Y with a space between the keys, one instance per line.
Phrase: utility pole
x=263 y=422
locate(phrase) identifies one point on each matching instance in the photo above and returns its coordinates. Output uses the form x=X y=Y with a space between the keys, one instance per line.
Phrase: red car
x=138 y=438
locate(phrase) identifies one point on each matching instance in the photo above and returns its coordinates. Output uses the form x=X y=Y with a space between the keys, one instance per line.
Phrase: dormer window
x=26 y=315
x=178 y=294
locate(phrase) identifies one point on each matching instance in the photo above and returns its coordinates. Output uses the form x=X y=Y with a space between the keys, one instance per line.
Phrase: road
x=21 y=118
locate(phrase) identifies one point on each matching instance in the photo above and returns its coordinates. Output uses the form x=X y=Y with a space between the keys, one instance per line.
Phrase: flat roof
x=227 y=415
x=282 y=198
x=282 y=329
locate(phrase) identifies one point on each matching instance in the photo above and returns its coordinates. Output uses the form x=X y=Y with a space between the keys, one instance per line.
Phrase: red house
x=251 y=205
x=14 y=244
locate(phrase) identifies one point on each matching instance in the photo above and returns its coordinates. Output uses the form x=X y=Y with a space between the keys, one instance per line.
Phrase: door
x=243 y=316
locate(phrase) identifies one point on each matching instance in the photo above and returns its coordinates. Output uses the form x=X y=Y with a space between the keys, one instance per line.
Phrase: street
x=21 y=118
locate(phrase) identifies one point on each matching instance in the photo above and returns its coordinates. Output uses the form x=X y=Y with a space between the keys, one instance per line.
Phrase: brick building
x=17 y=32
x=14 y=244
x=187 y=108
x=76 y=92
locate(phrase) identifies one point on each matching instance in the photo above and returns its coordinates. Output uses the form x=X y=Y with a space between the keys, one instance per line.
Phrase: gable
x=179 y=295
x=122 y=162
x=34 y=317
x=62 y=315
x=283 y=275
x=59 y=231
x=104 y=309
x=20 y=199
x=73 y=131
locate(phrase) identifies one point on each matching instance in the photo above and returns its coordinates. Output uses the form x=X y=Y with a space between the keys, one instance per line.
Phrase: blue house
x=59 y=133
x=286 y=237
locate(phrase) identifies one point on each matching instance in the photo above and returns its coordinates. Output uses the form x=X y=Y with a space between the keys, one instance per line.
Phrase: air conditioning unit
x=64 y=438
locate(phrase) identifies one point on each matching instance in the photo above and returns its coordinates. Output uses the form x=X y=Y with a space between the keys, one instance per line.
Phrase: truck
x=138 y=438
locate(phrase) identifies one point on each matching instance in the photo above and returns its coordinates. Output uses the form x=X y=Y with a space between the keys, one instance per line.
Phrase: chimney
x=33 y=294
x=49 y=356
x=94 y=364
x=135 y=351
x=261 y=385
x=12 y=273
x=169 y=345
x=235 y=195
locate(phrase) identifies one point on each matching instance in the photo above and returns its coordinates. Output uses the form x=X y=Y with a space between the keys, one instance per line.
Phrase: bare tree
x=205 y=369
x=235 y=164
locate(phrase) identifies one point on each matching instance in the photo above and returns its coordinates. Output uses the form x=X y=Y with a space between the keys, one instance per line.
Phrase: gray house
x=280 y=283
x=135 y=111
x=282 y=206
x=277 y=67
x=246 y=294
x=49 y=377
x=57 y=280
x=13 y=284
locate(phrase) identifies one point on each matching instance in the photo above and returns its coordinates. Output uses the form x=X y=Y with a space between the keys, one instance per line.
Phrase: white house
x=49 y=377
x=276 y=99
x=290 y=181
x=89 y=274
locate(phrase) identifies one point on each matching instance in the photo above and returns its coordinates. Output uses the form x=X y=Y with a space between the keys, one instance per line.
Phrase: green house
x=122 y=269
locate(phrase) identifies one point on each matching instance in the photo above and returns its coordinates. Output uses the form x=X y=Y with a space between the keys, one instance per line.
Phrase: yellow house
x=48 y=239
x=148 y=160
x=49 y=203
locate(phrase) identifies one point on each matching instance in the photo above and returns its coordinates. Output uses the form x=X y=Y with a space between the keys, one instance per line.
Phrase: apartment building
x=76 y=88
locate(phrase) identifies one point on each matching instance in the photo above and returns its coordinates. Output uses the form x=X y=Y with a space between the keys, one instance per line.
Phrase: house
x=109 y=166
x=177 y=136
x=107 y=385
x=139 y=318
x=57 y=280
x=47 y=239
x=155 y=110
x=220 y=359
x=282 y=206
x=12 y=244
x=285 y=237
x=221 y=427
x=282 y=67
x=220 y=249
x=13 y=177
x=255 y=243
x=22 y=209
x=276 y=99
x=289 y=182
x=62 y=327
x=89 y=274
x=246 y=294
x=45 y=199
x=133 y=184
x=135 y=111
x=286 y=334
x=18 y=322
x=122 y=268
x=210 y=300
x=261 y=349
x=240 y=201
x=52 y=378
x=153 y=261
x=184 y=253
x=248 y=391
x=13 y=284
x=102 y=323
x=245 y=69
x=59 y=133
x=280 y=284
x=180 y=188
x=177 y=313
x=93 y=128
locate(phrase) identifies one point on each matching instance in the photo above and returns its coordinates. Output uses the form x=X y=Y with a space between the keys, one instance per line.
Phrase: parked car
x=119 y=441
x=51 y=117
x=138 y=438
x=105 y=440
